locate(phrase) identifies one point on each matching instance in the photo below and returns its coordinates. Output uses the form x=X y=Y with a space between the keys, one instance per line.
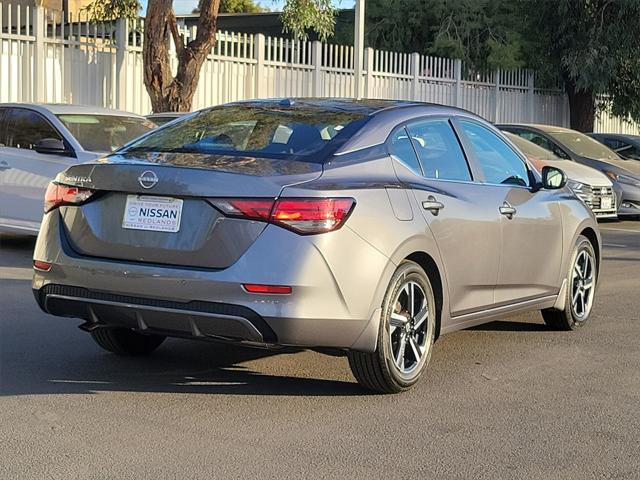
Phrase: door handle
x=507 y=210
x=432 y=205
x=4 y=165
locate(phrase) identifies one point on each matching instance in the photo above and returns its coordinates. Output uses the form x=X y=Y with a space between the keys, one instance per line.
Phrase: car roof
x=363 y=106
x=166 y=114
x=70 y=109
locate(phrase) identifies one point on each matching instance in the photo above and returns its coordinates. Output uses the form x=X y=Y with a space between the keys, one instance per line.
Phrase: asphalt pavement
x=510 y=399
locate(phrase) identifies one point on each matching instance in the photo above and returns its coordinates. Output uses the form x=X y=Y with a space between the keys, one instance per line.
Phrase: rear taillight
x=58 y=195
x=305 y=216
x=255 y=209
x=312 y=215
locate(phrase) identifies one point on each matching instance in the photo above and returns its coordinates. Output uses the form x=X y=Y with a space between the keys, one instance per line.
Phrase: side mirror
x=553 y=178
x=51 y=146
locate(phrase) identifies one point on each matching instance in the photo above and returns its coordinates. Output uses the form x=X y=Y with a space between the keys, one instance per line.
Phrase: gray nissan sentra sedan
x=371 y=227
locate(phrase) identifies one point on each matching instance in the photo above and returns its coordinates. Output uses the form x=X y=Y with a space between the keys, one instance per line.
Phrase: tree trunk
x=582 y=107
x=169 y=93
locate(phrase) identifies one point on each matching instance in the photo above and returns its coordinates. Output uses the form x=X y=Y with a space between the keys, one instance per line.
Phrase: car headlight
x=576 y=186
x=582 y=191
x=621 y=178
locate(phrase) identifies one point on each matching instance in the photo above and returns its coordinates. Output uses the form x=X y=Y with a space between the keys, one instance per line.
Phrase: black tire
x=378 y=371
x=567 y=319
x=123 y=341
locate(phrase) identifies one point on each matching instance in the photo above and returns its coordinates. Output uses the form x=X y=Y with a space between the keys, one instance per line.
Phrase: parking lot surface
x=510 y=399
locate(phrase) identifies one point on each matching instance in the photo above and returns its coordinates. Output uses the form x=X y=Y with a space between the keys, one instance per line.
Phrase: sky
x=186 y=6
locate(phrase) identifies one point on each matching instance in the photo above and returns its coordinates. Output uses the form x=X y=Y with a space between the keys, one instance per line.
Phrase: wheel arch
x=429 y=265
x=591 y=234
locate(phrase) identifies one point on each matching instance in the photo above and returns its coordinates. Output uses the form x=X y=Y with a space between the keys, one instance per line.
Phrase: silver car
x=371 y=227
x=37 y=141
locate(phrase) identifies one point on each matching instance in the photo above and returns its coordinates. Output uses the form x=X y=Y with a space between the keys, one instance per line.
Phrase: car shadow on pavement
x=42 y=354
x=507 y=326
x=177 y=367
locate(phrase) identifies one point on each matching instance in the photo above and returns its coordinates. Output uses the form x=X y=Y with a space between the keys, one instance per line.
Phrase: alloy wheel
x=409 y=327
x=582 y=284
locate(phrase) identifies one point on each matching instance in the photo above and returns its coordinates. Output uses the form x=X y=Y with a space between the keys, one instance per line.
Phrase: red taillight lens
x=312 y=215
x=271 y=289
x=58 y=195
x=255 y=209
x=305 y=216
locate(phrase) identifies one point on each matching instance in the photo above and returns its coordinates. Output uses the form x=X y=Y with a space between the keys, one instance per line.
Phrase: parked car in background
x=366 y=226
x=626 y=146
x=165 y=117
x=592 y=186
x=572 y=145
x=37 y=141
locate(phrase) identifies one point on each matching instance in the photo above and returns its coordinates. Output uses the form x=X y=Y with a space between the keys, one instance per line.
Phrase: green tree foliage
x=235 y=6
x=99 y=10
x=478 y=31
x=299 y=16
x=171 y=91
x=593 y=45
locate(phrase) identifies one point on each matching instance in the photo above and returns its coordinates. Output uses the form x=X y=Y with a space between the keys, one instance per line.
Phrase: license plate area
x=158 y=214
x=606 y=202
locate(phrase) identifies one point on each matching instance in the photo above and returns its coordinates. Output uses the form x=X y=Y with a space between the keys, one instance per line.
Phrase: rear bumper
x=190 y=319
x=338 y=281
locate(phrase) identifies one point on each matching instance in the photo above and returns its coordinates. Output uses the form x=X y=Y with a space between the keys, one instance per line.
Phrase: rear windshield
x=105 y=133
x=585 y=146
x=250 y=130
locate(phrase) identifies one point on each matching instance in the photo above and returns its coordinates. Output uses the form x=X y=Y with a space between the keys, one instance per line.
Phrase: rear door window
x=25 y=128
x=438 y=149
x=499 y=163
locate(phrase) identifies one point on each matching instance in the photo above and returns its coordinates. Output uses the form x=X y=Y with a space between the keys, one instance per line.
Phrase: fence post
x=368 y=65
x=530 y=95
x=122 y=44
x=317 y=68
x=259 y=44
x=39 y=65
x=415 y=71
x=457 y=72
x=496 y=98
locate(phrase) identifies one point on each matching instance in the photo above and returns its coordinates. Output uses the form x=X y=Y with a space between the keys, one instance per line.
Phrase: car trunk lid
x=204 y=237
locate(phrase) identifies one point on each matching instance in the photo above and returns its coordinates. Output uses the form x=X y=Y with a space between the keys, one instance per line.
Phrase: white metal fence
x=48 y=56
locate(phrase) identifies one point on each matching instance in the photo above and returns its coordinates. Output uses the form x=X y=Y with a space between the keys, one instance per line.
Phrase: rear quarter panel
x=364 y=280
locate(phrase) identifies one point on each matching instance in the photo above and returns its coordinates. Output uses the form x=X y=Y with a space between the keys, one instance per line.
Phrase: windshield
x=104 y=133
x=584 y=146
x=253 y=130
